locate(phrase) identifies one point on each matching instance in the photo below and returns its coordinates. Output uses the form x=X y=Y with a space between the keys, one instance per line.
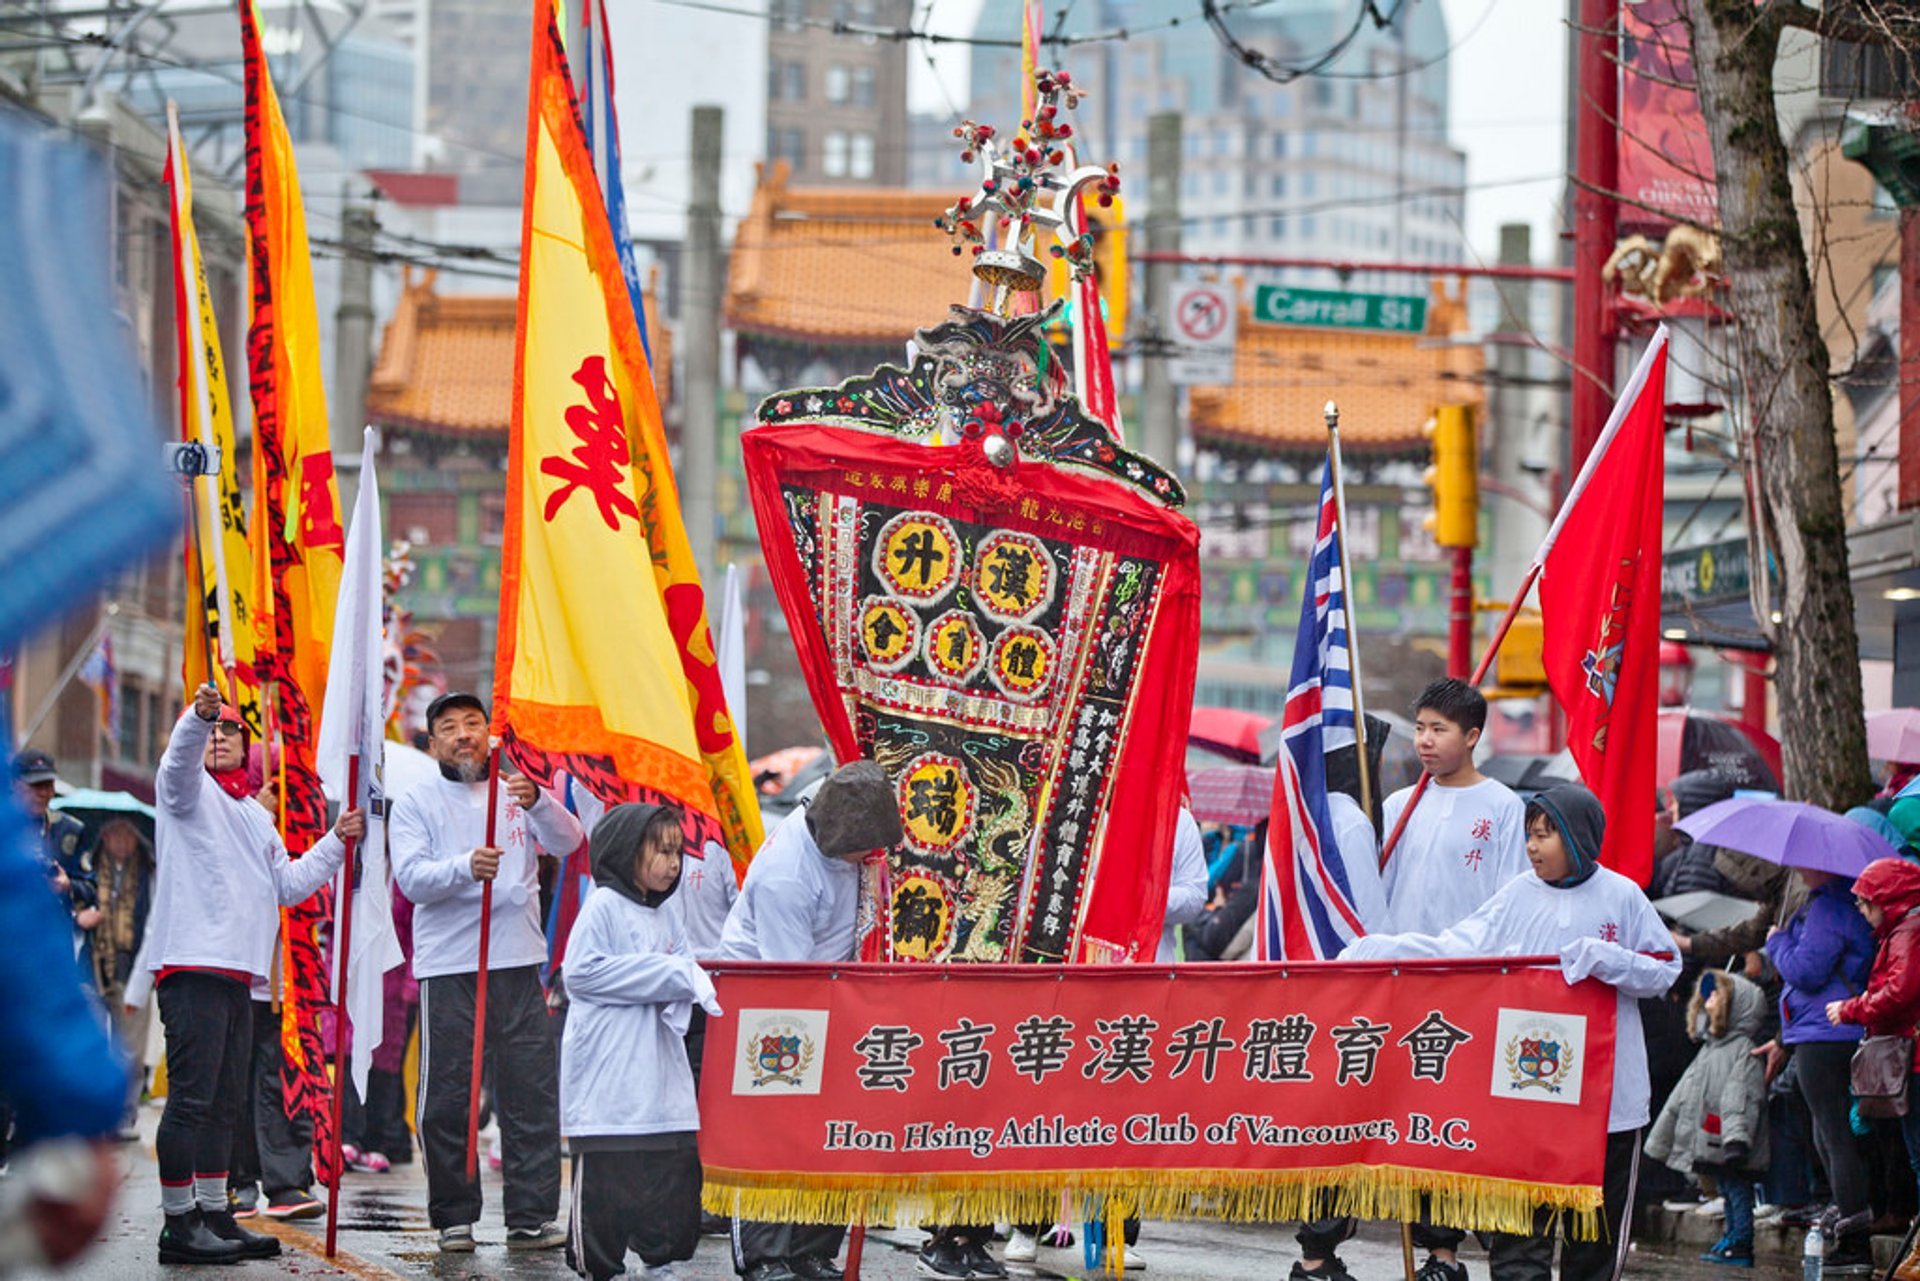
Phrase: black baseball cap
x=34 y=766
x=448 y=701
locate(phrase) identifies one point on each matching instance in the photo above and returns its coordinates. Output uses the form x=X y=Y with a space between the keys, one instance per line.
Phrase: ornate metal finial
x=1027 y=185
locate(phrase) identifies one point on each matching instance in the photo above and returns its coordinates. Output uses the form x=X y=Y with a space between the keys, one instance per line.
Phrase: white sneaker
x=1136 y=1261
x=1714 y=1209
x=658 y=1272
x=1021 y=1248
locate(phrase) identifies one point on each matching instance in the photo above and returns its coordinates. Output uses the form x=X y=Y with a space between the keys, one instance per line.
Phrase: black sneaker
x=185 y=1239
x=1331 y=1269
x=253 y=1245
x=980 y=1264
x=1435 y=1270
x=943 y=1259
x=814 y=1267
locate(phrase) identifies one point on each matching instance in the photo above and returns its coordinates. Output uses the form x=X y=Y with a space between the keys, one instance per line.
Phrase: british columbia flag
x=1306 y=905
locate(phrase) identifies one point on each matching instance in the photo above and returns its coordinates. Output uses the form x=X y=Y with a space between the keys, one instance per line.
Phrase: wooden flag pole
x=480 y=975
x=343 y=950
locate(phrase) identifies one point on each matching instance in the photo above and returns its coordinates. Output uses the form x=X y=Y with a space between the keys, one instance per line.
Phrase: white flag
x=730 y=648
x=352 y=725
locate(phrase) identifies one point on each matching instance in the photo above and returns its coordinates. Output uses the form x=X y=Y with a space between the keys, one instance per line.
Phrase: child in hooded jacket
x=1888 y=895
x=1714 y=1122
x=627 y=1102
x=1601 y=926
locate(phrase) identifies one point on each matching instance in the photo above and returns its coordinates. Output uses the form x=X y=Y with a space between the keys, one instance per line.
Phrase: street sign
x=1333 y=309
x=1203 y=325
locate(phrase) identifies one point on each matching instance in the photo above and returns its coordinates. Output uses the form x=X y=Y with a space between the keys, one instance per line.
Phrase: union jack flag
x=1306 y=904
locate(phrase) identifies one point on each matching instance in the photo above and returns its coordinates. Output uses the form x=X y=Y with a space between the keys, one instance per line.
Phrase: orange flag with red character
x=606 y=663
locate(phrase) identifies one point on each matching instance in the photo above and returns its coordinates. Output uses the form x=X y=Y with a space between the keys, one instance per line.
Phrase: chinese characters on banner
x=851 y=1093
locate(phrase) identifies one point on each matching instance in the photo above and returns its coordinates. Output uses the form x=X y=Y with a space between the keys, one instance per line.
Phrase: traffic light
x=1454 y=477
x=1520 y=668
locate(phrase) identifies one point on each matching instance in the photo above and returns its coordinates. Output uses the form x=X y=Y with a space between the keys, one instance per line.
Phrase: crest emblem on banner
x=779 y=1051
x=1540 y=1056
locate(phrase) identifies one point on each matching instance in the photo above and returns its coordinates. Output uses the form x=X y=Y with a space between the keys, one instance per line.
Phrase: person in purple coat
x=1824 y=953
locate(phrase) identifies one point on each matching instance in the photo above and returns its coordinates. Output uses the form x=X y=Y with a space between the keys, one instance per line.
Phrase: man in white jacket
x=442 y=863
x=627 y=1093
x=222 y=871
x=1601 y=926
x=798 y=905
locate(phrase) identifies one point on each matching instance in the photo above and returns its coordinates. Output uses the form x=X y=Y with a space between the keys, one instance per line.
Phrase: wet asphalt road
x=384 y=1233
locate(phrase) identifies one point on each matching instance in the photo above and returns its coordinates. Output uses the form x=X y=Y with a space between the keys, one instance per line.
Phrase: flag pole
x=1332 y=413
x=480 y=976
x=343 y=949
x=1628 y=395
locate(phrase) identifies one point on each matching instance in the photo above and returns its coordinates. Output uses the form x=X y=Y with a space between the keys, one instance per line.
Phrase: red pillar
x=1595 y=219
x=1460 y=615
x=1909 y=358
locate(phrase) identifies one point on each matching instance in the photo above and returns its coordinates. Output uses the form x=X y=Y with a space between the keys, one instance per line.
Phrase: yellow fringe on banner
x=1244 y=1196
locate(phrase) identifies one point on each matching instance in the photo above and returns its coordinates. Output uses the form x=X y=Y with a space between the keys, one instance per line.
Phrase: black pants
x=1429 y=1236
x=208 y=1020
x=275 y=1150
x=649 y=1201
x=526 y=1095
x=1825 y=1071
x=1530 y=1258
x=757 y=1243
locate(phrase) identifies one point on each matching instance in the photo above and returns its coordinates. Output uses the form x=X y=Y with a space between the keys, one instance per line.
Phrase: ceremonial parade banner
x=958 y=1094
x=1000 y=606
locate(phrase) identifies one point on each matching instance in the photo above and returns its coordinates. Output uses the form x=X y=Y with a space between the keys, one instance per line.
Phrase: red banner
x=969 y=1093
x=1666 y=159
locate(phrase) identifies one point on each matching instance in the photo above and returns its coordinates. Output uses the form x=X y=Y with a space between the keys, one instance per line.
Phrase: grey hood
x=1576 y=812
x=855 y=810
x=615 y=841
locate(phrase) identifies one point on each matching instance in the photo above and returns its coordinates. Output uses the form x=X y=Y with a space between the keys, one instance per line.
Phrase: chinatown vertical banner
x=606 y=662
x=1006 y=624
x=297 y=555
x=217 y=592
x=972 y=1093
x=1666 y=158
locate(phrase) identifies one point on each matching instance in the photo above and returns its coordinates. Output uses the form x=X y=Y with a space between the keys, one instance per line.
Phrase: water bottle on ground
x=1812 y=1255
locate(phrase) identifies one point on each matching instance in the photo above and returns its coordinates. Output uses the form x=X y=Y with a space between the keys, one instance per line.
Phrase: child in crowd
x=627 y=1102
x=1601 y=926
x=1714 y=1122
x=1464 y=841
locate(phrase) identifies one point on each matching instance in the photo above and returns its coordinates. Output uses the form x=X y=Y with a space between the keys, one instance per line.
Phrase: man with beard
x=442 y=863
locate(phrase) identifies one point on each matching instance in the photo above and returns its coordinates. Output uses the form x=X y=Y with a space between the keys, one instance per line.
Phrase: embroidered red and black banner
x=1008 y=624
x=861 y=1093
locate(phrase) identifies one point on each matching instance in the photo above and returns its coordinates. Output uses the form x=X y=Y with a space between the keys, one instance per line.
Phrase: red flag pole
x=856 y=1243
x=1628 y=395
x=480 y=977
x=343 y=948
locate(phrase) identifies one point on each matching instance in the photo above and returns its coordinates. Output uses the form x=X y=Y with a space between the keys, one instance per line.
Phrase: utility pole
x=700 y=403
x=1160 y=399
x=1596 y=169
x=352 y=339
x=1517 y=527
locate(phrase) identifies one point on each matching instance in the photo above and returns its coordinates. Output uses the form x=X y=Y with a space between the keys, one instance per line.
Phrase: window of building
x=787 y=14
x=860 y=157
x=1222 y=182
x=1279 y=184
x=1309 y=227
x=1279 y=146
x=833 y=154
x=863 y=91
x=1277 y=228
x=789 y=145
x=839 y=84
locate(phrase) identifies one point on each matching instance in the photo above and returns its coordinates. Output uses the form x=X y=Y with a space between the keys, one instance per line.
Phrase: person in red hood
x=1888 y=895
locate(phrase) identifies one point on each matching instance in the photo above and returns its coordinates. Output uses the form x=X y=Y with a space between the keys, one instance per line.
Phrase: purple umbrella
x=1790 y=833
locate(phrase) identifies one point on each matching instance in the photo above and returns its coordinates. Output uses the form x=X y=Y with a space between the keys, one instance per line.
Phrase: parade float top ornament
x=992 y=597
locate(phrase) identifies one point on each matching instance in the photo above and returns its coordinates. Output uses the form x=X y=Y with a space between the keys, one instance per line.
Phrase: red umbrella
x=1691 y=740
x=1239 y=794
x=1228 y=731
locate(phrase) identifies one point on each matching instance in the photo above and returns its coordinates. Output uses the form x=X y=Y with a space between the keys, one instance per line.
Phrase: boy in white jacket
x=627 y=1101
x=1601 y=926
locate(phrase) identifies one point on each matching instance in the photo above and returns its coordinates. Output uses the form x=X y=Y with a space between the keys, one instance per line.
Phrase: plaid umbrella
x=1239 y=794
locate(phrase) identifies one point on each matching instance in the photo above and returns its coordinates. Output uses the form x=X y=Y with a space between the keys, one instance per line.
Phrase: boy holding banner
x=1601 y=926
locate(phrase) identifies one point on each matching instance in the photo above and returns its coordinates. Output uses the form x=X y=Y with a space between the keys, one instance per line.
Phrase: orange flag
x=298 y=551
x=606 y=663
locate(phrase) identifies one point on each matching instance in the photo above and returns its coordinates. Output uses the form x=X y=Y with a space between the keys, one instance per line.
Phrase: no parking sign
x=1205 y=319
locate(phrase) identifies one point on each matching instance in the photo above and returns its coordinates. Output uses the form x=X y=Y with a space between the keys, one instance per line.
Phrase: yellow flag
x=217 y=588
x=606 y=663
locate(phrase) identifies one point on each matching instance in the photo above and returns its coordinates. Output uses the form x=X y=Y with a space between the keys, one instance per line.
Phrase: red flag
x=1600 y=610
